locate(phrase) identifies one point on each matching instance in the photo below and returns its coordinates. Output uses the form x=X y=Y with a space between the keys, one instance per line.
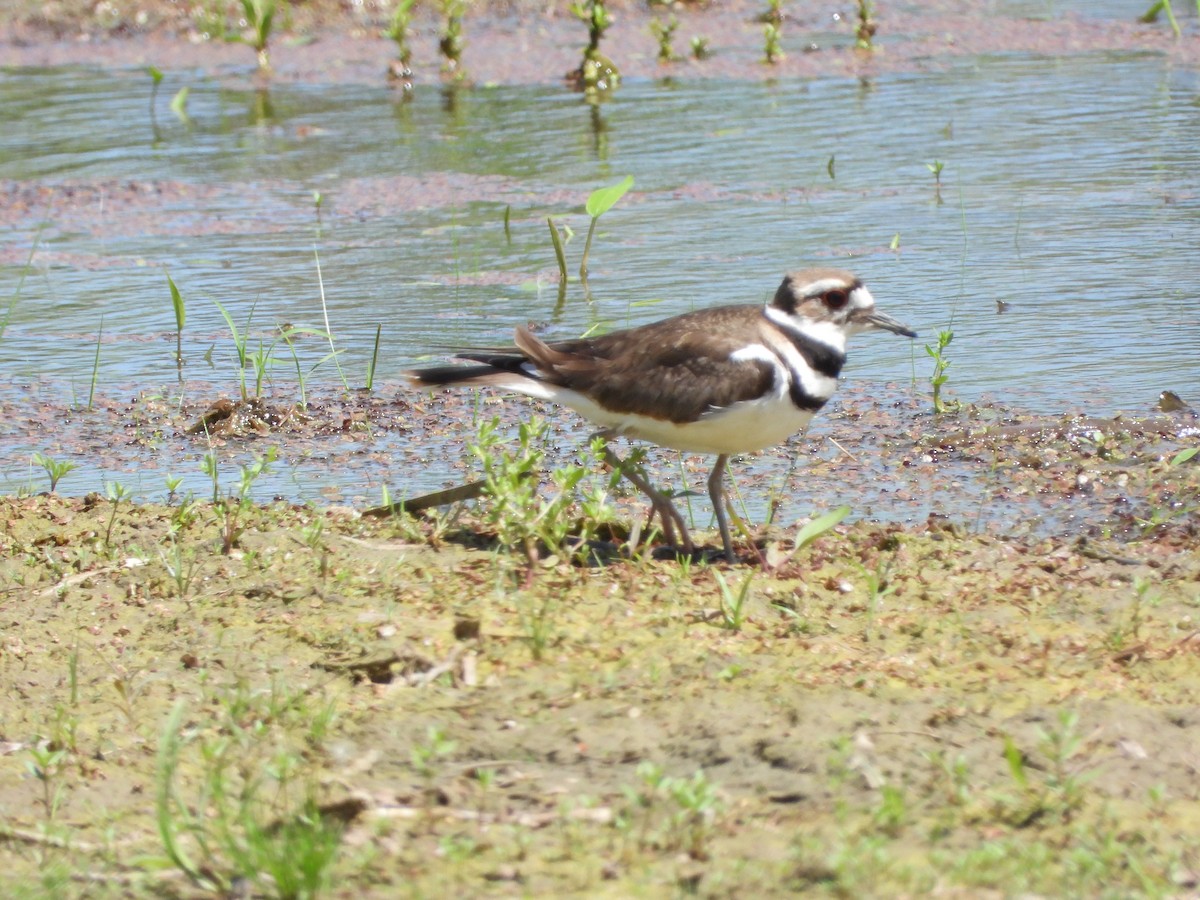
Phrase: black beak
x=874 y=319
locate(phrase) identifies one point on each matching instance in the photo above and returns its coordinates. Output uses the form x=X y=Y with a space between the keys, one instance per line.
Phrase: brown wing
x=677 y=369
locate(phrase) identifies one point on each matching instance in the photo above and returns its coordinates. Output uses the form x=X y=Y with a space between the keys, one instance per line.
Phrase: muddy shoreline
x=539 y=45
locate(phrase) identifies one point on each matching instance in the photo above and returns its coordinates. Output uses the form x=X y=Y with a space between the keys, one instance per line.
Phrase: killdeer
x=726 y=380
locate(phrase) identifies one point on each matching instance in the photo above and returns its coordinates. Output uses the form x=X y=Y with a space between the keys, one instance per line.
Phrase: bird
x=721 y=380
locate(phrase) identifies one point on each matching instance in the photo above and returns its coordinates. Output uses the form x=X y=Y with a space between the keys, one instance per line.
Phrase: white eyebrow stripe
x=813 y=288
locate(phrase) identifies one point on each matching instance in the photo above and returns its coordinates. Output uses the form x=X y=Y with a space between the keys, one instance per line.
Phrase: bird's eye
x=836 y=299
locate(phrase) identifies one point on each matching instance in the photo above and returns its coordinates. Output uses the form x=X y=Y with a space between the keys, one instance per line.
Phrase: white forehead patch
x=860 y=298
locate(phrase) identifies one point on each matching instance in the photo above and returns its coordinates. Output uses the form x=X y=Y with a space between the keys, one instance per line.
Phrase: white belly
x=741 y=428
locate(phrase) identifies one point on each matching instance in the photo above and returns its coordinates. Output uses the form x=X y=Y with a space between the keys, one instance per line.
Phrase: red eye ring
x=836 y=299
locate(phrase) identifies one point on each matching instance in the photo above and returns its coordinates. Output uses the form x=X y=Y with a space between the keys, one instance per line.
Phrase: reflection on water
x=1069 y=189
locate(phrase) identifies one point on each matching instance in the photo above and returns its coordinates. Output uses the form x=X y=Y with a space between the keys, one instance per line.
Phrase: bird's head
x=831 y=305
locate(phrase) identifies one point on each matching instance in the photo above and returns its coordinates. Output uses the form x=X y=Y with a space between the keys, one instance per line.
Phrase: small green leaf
x=556 y=239
x=1184 y=455
x=603 y=199
x=179 y=104
x=177 y=302
x=819 y=526
x=1016 y=762
x=155 y=73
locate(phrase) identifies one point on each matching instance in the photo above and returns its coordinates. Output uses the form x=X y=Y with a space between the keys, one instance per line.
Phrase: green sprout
x=260 y=15
x=597 y=74
x=936 y=168
x=599 y=202
x=663 y=32
x=864 y=31
x=938 y=377
x=772 y=46
x=180 y=318
x=55 y=469
x=451 y=41
x=398 y=32
x=1151 y=15
x=179 y=104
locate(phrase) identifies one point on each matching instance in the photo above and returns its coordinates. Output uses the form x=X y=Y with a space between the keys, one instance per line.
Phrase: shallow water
x=1069 y=192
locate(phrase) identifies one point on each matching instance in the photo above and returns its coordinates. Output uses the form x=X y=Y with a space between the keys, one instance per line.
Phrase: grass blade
x=96 y=363
x=329 y=331
x=558 y=250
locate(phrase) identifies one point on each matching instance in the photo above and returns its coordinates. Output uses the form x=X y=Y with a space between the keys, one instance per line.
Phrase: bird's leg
x=716 y=492
x=660 y=503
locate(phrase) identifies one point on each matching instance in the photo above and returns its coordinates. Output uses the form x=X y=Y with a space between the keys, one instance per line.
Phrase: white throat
x=827 y=333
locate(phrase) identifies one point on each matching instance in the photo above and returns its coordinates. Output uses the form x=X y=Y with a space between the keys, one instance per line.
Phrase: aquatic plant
x=559 y=252
x=25 y=270
x=180 y=318
x=663 y=32
x=936 y=168
x=1178 y=500
x=334 y=353
x=179 y=104
x=773 y=32
x=864 y=30
x=773 y=13
x=700 y=47
x=156 y=77
x=599 y=202
x=451 y=41
x=55 y=469
x=772 y=46
x=1151 y=15
x=938 y=378
x=597 y=74
x=96 y=363
x=239 y=343
x=374 y=361
x=260 y=15
x=398 y=32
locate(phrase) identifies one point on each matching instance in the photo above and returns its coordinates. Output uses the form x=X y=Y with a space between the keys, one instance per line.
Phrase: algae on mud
x=901 y=710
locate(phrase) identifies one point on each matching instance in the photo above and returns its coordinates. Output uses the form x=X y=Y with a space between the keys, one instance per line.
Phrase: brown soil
x=891 y=708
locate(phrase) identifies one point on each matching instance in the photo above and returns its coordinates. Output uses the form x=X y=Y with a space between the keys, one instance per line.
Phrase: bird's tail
x=451 y=375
